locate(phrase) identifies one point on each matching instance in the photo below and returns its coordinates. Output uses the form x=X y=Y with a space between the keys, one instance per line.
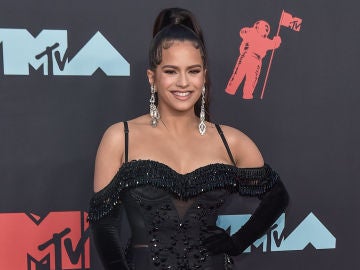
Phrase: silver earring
x=202 y=125
x=154 y=113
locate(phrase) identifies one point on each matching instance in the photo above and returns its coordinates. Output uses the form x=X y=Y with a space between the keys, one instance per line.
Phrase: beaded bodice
x=170 y=212
x=247 y=182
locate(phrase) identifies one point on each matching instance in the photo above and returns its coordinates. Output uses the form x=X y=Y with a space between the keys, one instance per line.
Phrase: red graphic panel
x=58 y=241
x=253 y=48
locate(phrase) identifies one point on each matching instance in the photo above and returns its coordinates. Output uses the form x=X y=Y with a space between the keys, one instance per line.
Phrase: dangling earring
x=202 y=125
x=154 y=113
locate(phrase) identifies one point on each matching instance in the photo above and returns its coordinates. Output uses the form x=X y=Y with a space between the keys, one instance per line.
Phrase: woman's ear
x=151 y=76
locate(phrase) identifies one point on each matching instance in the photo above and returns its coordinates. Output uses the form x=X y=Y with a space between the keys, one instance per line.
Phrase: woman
x=171 y=170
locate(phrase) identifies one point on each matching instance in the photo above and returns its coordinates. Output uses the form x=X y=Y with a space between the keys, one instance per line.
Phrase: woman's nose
x=182 y=80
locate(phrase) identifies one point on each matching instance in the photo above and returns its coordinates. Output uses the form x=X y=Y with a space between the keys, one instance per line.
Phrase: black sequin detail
x=247 y=182
x=175 y=241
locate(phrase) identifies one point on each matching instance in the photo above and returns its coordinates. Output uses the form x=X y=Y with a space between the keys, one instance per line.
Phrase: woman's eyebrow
x=176 y=67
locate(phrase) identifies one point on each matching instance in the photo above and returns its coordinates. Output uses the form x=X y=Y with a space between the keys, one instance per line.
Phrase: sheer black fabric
x=169 y=213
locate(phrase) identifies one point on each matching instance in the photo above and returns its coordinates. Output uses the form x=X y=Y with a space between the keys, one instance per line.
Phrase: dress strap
x=126 y=132
x=225 y=143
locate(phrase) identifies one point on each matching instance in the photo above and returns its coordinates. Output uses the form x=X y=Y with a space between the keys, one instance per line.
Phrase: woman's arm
x=273 y=202
x=106 y=230
x=109 y=156
x=243 y=149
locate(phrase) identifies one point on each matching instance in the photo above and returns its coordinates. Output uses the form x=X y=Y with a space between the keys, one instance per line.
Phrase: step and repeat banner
x=282 y=71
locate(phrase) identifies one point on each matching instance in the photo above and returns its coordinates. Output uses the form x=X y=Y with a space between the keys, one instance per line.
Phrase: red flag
x=290 y=21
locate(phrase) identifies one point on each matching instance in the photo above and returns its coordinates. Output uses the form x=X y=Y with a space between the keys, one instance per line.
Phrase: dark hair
x=177 y=24
x=182 y=16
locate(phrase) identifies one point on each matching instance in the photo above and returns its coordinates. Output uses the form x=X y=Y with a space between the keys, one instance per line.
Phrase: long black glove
x=106 y=235
x=272 y=204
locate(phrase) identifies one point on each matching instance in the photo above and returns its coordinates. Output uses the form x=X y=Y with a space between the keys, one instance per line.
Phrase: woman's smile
x=182 y=95
x=179 y=78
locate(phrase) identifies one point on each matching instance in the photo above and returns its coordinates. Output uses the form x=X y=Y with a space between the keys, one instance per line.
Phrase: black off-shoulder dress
x=170 y=213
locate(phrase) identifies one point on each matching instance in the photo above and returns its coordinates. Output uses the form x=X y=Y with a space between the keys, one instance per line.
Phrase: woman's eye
x=195 y=71
x=170 y=71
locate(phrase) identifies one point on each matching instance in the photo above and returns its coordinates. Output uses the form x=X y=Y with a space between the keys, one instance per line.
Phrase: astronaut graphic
x=254 y=46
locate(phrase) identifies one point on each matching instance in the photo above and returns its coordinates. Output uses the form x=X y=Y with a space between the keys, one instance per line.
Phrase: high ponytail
x=177 y=16
x=177 y=24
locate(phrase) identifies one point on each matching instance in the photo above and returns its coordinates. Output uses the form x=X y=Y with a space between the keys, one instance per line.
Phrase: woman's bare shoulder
x=111 y=152
x=114 y=134
x=244 y=150
x=109 y=156
x=116 y=131
x=140 y=122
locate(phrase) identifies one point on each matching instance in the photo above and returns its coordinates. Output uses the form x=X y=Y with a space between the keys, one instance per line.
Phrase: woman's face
x=179 y=78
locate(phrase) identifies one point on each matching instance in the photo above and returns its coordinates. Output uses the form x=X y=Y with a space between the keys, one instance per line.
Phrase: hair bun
x=181 y=16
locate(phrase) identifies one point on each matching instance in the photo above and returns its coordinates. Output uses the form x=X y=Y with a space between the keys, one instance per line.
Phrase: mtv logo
x=43 y=264
x=49 y=51
x=309 y=232
x=56 y=241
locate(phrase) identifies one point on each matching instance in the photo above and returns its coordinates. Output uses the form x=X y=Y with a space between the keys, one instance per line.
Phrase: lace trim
x=247 y=182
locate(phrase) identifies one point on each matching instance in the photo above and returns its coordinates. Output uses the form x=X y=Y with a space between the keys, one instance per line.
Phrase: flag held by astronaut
x=290 y=21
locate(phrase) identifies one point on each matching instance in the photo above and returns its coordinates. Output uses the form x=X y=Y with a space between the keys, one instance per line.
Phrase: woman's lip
x=182 y=95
